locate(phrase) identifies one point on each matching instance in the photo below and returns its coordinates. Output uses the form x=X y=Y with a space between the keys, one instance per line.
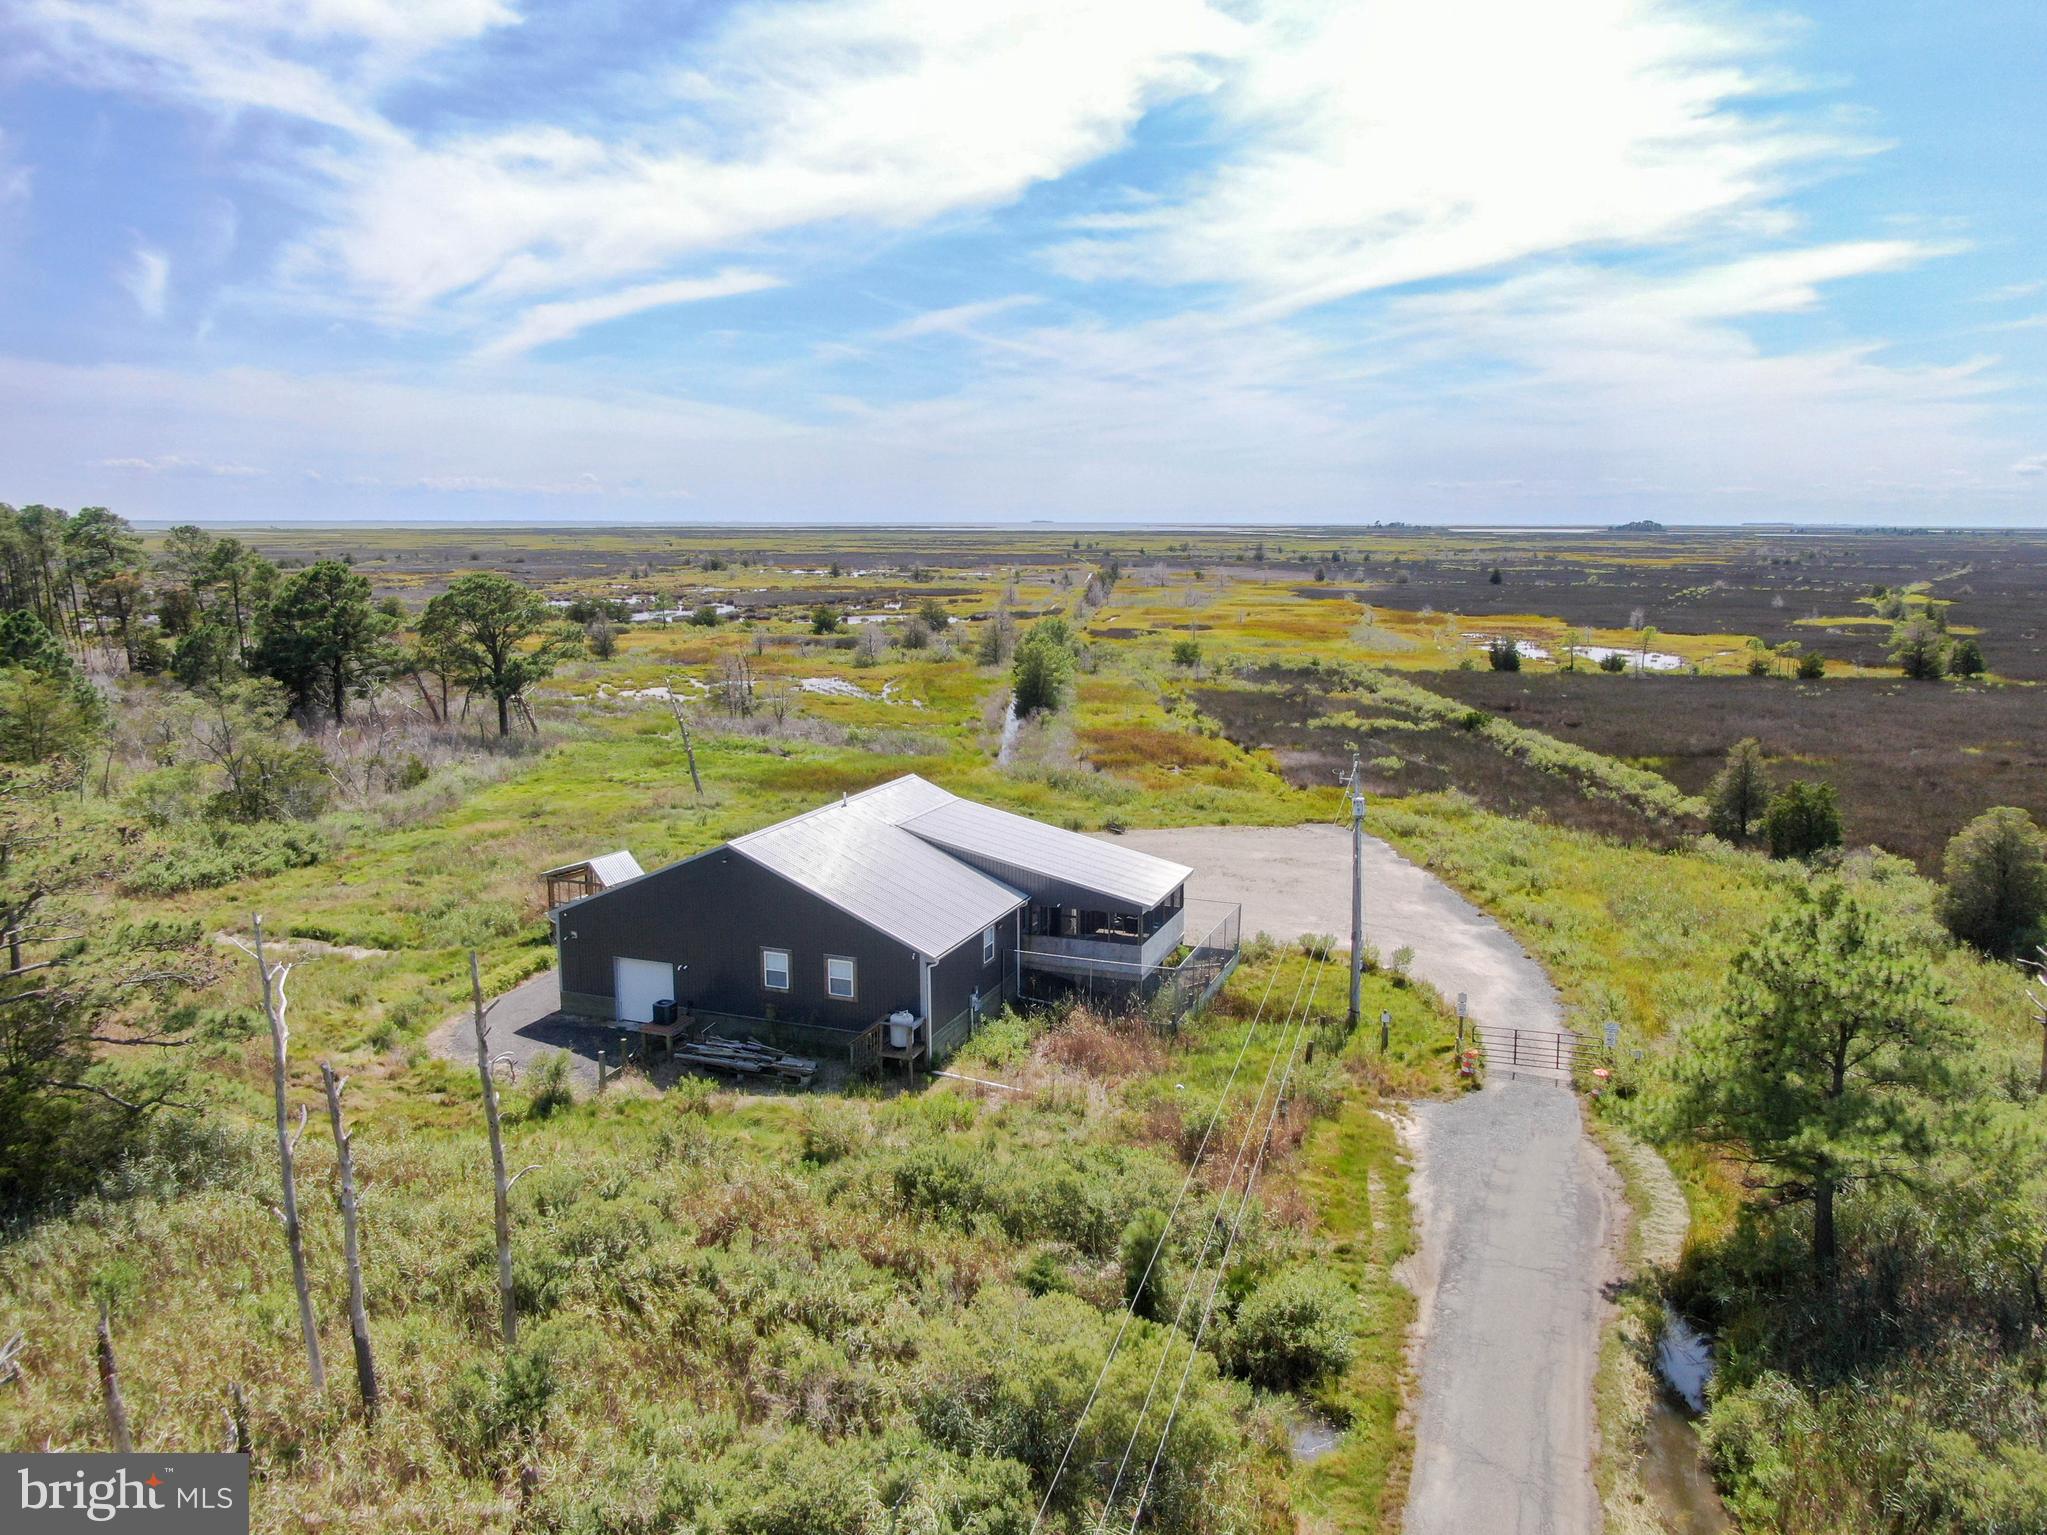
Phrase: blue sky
x=1160 y=260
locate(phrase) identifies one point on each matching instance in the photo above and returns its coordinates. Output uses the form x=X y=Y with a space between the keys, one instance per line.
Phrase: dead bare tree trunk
x=274 y=1006
x=110 y=1388
x=237 y=1421
x=688 y=750
x=501 y=1185
x=358 y=1315
x=427 y=698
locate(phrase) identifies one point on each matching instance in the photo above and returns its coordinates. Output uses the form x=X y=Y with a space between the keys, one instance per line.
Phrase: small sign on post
x=1460 y=1023
x=1385 y=1028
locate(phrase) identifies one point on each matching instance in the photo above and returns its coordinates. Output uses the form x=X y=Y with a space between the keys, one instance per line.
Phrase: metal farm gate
x=1549 y=1053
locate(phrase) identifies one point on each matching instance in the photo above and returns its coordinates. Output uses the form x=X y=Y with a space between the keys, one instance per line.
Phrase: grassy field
x=720 y=1285
x=740 y=1299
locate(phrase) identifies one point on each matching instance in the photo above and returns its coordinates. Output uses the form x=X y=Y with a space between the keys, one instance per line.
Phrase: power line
x=1165 y=1353
x=1130 y=1309
x=1222 y=1266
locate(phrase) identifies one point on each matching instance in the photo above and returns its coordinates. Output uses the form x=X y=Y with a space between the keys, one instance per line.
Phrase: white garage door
x=639 y=984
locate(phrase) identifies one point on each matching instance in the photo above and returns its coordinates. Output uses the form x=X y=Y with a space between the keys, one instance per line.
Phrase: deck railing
x=1168 y=991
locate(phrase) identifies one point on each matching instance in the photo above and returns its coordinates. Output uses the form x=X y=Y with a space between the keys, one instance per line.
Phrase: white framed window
x=988 y=947
x=838 y=977
x=775 y=969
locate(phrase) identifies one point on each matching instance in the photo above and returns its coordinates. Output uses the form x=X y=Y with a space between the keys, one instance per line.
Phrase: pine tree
x=1916 y=650
x=1739 y=794
x=497 y=637
x=1044 y=662
x=1825 y=1066
x=1994 y=892
x=324 y=638
x=1802 y=820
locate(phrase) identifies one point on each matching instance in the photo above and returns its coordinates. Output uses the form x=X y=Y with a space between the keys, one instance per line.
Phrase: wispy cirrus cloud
x=147 y=277
x=955 y=319
x=319 y=61
x=546 y=323
x=784 y=116
x=178 y=463
x=15 y=178
x=1381 y=145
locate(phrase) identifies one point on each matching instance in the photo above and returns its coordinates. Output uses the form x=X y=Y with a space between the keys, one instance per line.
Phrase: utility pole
x=1357 y=888
x=2039 y=1001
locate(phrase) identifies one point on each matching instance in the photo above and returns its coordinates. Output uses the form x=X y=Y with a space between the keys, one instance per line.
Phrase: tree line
x=79 y=591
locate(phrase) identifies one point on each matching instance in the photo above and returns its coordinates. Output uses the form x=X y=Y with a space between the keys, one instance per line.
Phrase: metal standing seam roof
x=615 y=868
x=853 y=855
x=1122 y=873
x=607 y=869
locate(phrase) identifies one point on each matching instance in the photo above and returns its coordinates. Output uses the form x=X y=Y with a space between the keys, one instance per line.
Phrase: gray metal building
x=903 y=899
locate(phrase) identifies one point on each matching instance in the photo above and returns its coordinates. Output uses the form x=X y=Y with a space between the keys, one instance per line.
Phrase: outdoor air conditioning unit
x=902 y=1028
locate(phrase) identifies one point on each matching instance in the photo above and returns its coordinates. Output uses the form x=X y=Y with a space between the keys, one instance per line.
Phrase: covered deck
x=1124 y=957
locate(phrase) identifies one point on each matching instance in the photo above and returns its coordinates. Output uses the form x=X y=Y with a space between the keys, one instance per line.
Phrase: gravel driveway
x=1516 y=1205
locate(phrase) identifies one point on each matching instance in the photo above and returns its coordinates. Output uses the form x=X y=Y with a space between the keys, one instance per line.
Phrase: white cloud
x=888 y=113
x=15 y=178
x=324 y=61
x=1782 y=281
x=956 y=320
x=1371 y=145
x=544 y=323
x=178 y=463
x=585 y=484
x=147 y=277
x=2035 y=464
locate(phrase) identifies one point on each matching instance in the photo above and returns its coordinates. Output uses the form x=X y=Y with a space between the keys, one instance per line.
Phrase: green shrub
x=1803 y=820
x=1143 y=1257
x=692 y=1095
x=550 y=1088
x=493 y=1414
x=1008 y=1378
x=800 y=1486
x=831 y=1129
x=1295 y=1329
x=1045 y=1273
x=203 y=857
x=1994 y=883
